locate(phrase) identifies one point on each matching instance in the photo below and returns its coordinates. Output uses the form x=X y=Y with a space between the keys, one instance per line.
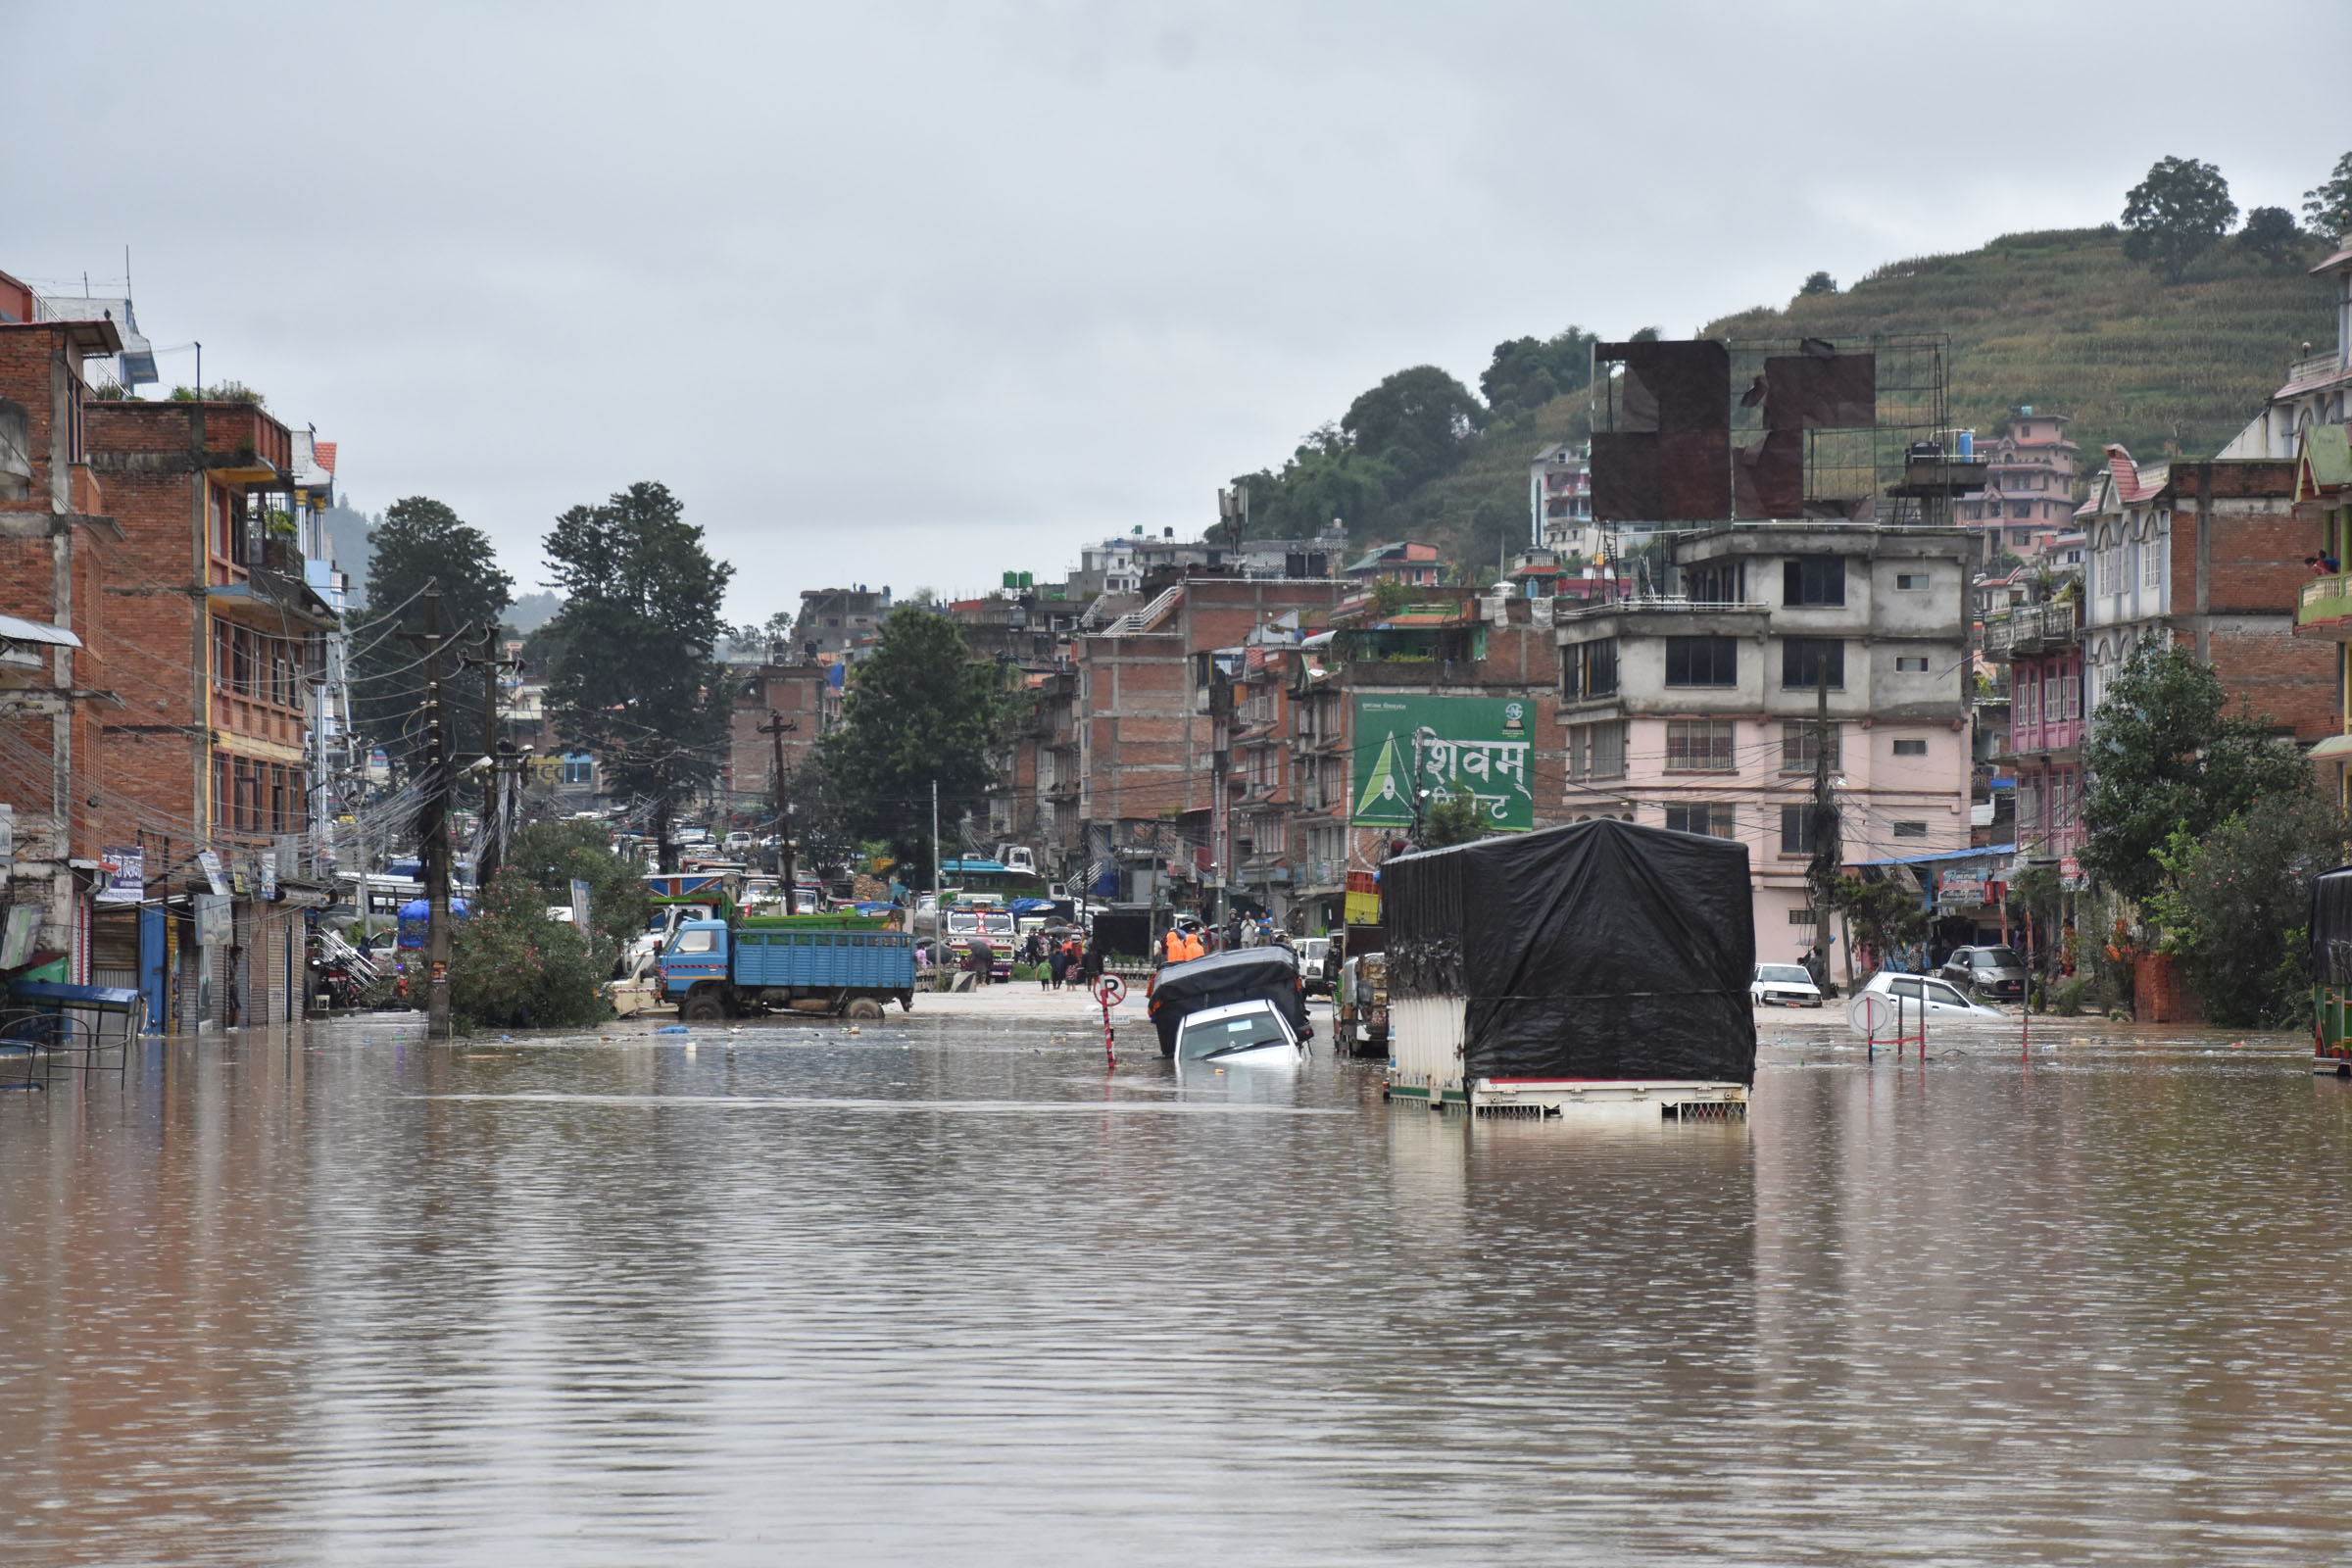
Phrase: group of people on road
x=1061 y=959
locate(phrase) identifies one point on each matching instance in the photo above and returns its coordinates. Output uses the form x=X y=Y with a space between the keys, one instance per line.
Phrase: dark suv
x=1997 y=972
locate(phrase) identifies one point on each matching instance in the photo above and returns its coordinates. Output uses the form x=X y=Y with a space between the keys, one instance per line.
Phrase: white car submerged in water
x=1241 y=1034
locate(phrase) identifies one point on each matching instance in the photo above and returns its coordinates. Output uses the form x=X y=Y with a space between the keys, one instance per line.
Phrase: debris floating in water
x=672 y=1029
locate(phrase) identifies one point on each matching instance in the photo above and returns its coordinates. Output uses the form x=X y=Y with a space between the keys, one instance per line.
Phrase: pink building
x=2029 y=493
x=2043 y=645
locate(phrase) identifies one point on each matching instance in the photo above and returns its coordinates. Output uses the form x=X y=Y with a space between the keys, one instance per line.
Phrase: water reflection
x=952 y=1291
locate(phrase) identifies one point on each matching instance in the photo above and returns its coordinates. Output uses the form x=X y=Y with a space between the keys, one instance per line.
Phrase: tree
x=1414 y=421
x=2328 y=208
x=2234 y=904
x=919 y=712
x=1326 y=478
x=635 y=680
x=1882 y=916
x=1819 y=284
x=2175 y=214
x=1527 y=373
x=2165 y=755
x=552 y=854
x=758 y=639
x=418 y=541
x=2270 y=236
x=1457 y=820
x=511 y=967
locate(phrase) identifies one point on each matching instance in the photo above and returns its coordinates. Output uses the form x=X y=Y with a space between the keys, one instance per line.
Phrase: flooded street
x=941 y=1292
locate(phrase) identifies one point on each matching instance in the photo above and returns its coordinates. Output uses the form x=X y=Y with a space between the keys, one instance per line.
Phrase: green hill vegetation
x=2059 y=320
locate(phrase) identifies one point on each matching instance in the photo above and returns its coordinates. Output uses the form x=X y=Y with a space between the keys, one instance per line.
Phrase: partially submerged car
x=1943 y=1000
x=1241 y=1034
x=1784 y=985
x=1240 y=974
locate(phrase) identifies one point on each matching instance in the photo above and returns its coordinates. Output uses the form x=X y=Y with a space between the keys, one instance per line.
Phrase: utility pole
x=487 y=866
x=780 y=798
x=940 y=930
x=1826 y=854
x=436 y=827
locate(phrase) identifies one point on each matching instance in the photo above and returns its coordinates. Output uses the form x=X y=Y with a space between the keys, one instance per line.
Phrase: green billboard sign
x=1480 y=747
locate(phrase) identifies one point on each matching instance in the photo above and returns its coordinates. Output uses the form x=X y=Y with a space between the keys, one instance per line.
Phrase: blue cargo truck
x=841 y=966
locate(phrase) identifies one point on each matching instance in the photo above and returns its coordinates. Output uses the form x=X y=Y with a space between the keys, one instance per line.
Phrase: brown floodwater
x=941 y=1292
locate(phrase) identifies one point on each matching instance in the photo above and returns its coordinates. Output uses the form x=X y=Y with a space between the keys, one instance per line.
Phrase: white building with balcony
x=1702 y=713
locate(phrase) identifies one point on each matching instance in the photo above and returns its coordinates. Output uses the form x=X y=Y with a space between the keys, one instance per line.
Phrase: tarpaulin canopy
x=2331 y=927
x=1600 y=950
x=1238 y=974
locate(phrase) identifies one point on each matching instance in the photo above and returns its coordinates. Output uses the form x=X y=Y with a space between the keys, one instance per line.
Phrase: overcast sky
x=913 y=294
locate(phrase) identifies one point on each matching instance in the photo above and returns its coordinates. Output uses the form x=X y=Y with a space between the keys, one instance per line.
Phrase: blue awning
x=1985 y=851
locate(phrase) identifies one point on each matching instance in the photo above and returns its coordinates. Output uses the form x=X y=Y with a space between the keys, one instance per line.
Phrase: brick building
x=804 y=697
x=2212 y=555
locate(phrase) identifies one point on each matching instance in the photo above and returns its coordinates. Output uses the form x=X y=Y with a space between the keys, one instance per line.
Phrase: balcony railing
x=2314 y=368
x=2324 y=602
x=2029 y=624
x=1661 y=606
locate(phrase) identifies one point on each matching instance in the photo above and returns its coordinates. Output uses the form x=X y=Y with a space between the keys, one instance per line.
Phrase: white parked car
x=1784 y=985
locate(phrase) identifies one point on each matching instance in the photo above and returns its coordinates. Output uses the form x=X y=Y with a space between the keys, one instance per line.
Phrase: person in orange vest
x=1194 y=947
x=1174 y=947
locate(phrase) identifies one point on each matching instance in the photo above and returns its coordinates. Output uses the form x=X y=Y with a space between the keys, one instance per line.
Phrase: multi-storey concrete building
x=839 y=620
x=1700 y=713
x=2317 y=389
x=2030 y=483
x=1559 y=499
x=2041 y=647
x=2210 y=555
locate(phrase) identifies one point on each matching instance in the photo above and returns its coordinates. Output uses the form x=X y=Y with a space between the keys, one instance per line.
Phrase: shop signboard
x=125 y=872
x=1477 y=747
x=1960 y=890
x=2069 y=874
x=213 y=929
x=213 y=872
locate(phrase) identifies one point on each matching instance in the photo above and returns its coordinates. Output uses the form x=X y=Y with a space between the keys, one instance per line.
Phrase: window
x=2151 y=562
x=1804 y=917
x=1813 y=580
x=1911 y=747
x=1796 y=829
x=1702 y=662
x=1804 y=659
x=1911 y=663
x=1910 y=830
x=1589 y=669
x=1801 y=746
x=1910 y=581
x=2072 y=688
x=579 y=769
x=2021 y=508
x=696 y=942
x=1709 y=821
x=1699 y=746
x=1596 y=750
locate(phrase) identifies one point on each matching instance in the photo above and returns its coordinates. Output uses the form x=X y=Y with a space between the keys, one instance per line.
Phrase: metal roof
x=36 y=631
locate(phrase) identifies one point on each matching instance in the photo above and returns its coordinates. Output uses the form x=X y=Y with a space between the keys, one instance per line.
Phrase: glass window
x=1904 y=986
x=1709 y=821
x=1802 y=656
x=1910 y=580
x=1911 y=663
x=1911 y=747
x=1813 y=580
x=1796 y=829
x=1938 y=992
x=1589 y=669
x=1801 y=746
x=1699 y=746
x=697 y=942
x=1910 y=830
x=1596 y=750
x=1702 y=662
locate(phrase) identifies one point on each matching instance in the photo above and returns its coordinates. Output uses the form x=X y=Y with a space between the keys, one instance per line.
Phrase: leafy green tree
x=511 y=967
x=1414 y=421
x=1528 y=372
x=2328 y=209
x=756 y=639
x=1819 y=284
x=1326 y=477
x=552 y=854
x=1882 y=916
x=418 y=541
x=920 y=711
x=2234 y=904
x=1459 y=820
x=2177 y=214
x=2165 y=755
x=635 y=680
x=2270 y=236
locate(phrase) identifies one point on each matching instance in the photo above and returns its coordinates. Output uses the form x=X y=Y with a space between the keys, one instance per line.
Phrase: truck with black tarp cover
x=1238 y=974
x=1599 y=964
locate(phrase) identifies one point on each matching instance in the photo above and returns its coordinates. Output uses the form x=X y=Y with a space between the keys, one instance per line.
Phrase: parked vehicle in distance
x=841 y=966
x=1314 y=964
x=1360 y=1021
x=1241 y=1034
x=1997 y=972
x=1943 y=1000
x=739 y=841
x=1784 y=985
